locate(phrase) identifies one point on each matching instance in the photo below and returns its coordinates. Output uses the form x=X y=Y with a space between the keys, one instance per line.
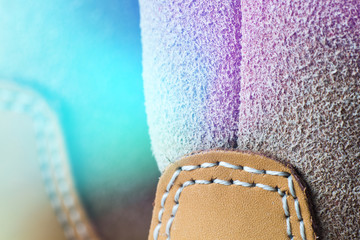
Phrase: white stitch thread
x=291 y=186
x=288 y=229
x=276 y=173
x=266 y=187
x=161 y=213
x=202 y=181
x=302 y=229
x=231 y=166
x=285 y=206
x=168 y=226
x=227 y=183
x=244 y=184
x=208 y=165
x=190 y=167
x=223 y=182
x=228 y=165
x=164 y=198
x=287 y=215
x=173 y=178
x=297 y=208
x=156 y=231
x=253 y=170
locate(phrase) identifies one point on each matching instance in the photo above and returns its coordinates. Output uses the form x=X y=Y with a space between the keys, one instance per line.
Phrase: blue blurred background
x=84 y=58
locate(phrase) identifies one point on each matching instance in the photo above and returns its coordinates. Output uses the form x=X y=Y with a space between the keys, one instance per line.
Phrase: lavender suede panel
x=300 y=100
x=191 y=58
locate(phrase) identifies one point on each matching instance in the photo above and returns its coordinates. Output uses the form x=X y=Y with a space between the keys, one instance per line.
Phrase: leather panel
x=230 y=195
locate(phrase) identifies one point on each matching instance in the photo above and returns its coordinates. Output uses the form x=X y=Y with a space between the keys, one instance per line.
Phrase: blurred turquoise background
x=84 y=58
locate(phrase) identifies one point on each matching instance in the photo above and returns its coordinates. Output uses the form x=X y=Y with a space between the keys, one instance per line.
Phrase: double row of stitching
x=58 y=190
x=235 y=167
x=282 y=194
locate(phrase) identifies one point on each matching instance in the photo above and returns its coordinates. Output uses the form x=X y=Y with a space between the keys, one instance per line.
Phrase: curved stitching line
x=32 y=107
x=235 y=167
x=229 y=183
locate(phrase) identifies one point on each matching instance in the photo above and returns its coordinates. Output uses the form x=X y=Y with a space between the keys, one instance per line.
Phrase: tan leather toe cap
x=230 y=195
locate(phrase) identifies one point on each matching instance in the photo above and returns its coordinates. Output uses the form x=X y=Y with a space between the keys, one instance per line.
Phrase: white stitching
x=287 y=214
x=291 y=186
x=228 y=165
x=238 y=167
x=228 y=183
x=14 y=101
x=175 y=175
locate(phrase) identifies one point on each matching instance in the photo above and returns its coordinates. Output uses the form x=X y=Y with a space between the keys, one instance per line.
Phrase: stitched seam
x=229 y=183
x=235 y=167
x=17 y=102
